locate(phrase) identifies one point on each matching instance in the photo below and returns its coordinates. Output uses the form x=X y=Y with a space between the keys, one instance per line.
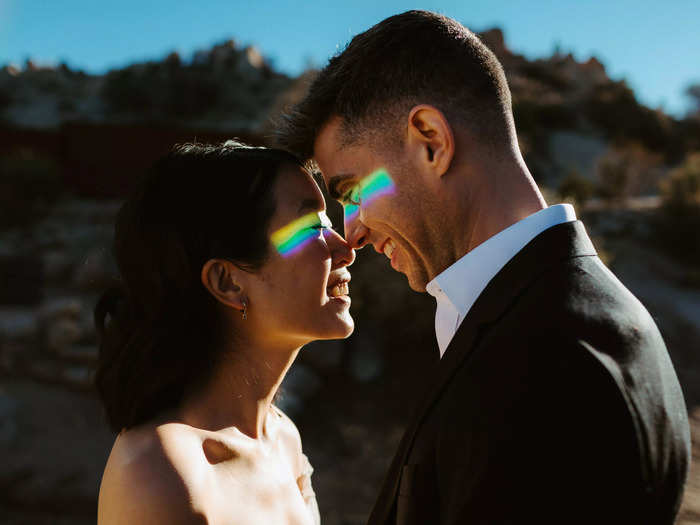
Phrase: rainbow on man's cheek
x=374 y=185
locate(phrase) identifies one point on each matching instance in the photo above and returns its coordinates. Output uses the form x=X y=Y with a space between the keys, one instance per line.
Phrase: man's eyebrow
x=333 y=183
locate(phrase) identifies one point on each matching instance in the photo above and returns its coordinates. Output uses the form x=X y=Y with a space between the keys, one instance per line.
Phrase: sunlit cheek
x=292 y=238
x=351 y=212
x=377 y=184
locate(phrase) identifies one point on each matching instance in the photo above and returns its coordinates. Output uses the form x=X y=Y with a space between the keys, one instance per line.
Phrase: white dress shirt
x=458 y=287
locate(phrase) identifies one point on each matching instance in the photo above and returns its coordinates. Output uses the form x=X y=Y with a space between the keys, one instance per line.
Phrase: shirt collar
x=460 y=285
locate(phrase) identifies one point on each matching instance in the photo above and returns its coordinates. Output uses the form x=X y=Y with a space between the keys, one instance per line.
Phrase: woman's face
x=301 y=293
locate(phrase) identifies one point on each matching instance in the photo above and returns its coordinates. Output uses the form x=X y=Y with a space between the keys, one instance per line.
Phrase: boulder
x=57 y=265
x=8 y=424
x=17 y=324
x=60 y=308
x=77 y=376
x=61 y=334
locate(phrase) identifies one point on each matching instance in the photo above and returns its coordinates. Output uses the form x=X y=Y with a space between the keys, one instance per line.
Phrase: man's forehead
x=329 y=135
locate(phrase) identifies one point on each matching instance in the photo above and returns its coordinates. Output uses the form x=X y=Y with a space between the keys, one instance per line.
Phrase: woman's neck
x=241 y=390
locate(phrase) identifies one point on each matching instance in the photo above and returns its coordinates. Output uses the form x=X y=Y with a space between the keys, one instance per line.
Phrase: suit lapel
x=544 y=251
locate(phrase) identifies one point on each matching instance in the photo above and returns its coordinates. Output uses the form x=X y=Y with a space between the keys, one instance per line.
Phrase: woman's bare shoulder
x=286 y=425
x=150 y=477
x=289 y=435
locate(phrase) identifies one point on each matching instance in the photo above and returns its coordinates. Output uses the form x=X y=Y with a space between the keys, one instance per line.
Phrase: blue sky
x=654 y=45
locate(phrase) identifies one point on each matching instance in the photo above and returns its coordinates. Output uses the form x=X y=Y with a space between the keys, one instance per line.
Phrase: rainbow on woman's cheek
x=371 y=187
x=292 y=238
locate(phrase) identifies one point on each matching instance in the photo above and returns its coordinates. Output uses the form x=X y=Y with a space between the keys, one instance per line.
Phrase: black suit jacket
x=555 y=403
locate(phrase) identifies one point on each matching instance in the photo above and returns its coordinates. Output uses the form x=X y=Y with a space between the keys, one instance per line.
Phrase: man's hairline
x=346 y=140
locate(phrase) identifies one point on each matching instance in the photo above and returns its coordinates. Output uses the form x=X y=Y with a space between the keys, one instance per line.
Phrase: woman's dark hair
x=158 y=325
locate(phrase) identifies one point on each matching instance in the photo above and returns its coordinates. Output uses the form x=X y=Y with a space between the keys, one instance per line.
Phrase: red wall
x=104 y=160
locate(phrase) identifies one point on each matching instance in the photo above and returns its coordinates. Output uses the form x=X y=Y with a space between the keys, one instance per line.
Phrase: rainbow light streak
x=291 y=238
x=371 y=187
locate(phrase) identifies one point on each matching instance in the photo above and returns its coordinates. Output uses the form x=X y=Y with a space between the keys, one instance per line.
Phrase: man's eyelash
x=346 y=197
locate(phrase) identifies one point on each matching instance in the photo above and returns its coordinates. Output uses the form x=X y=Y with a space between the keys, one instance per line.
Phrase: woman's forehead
x=297 y=192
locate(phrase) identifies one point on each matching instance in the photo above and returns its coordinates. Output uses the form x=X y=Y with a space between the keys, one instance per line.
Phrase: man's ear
x=221 y=278
x=431 y=135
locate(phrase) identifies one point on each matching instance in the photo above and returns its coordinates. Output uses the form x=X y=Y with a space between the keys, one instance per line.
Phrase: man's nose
x=341 y=252
x=356 y=233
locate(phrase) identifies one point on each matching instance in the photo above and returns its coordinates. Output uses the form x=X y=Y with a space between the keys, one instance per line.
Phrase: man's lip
x=381 y=247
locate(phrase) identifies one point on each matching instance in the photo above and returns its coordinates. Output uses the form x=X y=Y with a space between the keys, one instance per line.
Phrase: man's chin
x=417 y=284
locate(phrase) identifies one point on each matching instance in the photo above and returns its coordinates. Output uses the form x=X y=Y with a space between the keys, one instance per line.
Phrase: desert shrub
x=693 y=92
x=681 y=190
x=679 y=216
x=6 y=97
x=614 y=175
x=627 y=170
x=614 y=109
x=190 y=93
x=163 y=91
x=531 y=115
x=124 y=90
x=687 y=134
x=545 y=73
x=577 y=187
x=29 y=185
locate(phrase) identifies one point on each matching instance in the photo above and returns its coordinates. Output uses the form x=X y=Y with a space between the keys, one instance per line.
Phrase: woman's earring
x=245 y=310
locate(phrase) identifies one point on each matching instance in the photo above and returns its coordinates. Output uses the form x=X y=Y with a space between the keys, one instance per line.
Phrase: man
x=555 y=400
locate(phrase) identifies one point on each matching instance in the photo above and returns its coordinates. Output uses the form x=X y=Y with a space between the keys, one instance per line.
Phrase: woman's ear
x=220 y=277
x=430 y=134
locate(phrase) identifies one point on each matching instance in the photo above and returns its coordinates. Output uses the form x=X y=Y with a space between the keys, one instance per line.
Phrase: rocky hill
x=225 y=87
x=568 y=113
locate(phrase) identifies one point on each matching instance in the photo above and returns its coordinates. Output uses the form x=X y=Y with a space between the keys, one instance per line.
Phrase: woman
x=228 y=267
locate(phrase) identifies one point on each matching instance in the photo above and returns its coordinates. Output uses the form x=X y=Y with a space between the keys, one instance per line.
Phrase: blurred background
x=607 y=104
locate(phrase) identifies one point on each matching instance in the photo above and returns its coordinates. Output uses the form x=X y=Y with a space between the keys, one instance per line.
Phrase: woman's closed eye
x=324 y=223
x=320 y=226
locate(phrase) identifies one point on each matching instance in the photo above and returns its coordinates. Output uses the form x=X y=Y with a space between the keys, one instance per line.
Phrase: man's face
x=383 y=200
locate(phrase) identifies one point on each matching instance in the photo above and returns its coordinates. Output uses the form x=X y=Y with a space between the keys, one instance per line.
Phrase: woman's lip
x=342 y=280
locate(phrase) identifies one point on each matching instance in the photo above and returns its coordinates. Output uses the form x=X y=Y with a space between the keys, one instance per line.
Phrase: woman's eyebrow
x=311 y=204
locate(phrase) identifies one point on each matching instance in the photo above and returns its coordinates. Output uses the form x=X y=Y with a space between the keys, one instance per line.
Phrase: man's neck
x=503 y=195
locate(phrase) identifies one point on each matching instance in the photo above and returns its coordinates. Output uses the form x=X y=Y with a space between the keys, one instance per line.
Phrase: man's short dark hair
x=416 y=57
